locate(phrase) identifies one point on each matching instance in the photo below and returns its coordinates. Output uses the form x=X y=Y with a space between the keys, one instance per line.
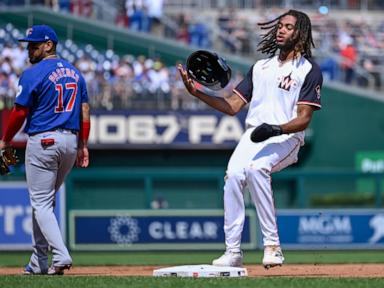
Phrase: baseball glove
x=208 y=69
x=8 y=158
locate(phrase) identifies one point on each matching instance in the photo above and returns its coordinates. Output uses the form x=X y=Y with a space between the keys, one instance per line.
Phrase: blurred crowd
x=113 y=81
x=348 y=50
x=12 y=61
x=140 y=15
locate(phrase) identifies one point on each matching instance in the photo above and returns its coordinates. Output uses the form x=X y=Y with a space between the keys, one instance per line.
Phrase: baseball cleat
x=229 y=259
x=271 y=266
x=58 y=270
x=29 y=271
x=273 y=256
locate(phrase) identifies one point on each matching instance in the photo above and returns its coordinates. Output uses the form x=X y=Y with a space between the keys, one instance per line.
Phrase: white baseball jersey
x=278 y=89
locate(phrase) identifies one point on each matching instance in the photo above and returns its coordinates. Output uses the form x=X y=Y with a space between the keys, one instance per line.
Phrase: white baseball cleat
x=229 y=259
x=273 y=256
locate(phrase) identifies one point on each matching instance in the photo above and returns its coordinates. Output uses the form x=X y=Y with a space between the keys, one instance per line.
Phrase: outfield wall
x=185 y=229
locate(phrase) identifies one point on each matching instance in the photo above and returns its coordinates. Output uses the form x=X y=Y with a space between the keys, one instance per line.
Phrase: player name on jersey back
x=62 y=72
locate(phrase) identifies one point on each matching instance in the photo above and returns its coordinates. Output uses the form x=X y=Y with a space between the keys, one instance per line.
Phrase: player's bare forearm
x=228 y=105
x=301 y=122
x=85 y=114
x=295 y=125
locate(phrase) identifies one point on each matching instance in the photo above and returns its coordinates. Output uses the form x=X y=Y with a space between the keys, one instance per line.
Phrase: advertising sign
x=159 y=130
x=153 y=229
x=369 y=162
x=16 y=215
x=327 y=229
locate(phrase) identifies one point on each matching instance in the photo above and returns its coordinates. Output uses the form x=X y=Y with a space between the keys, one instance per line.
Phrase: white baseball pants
x=251 y=164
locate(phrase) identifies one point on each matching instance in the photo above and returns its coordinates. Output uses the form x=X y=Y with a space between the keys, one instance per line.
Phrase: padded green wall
x=347 y=123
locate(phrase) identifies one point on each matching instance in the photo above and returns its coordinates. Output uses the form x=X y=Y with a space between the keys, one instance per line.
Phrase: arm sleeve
x=310 y=93
x=85 y=128
x=16 y=121
x=245 y=87
x=85 y=123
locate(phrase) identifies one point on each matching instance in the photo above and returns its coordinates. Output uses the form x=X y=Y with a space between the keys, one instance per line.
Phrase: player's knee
x=258 y=168
x=42 y=212
x=234 y=177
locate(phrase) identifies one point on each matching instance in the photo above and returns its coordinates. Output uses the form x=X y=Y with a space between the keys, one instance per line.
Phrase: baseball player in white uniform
x=282 y=92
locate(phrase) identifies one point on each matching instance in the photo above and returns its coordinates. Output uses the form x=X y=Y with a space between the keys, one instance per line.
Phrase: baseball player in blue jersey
x=282 y=92
x=53 y=99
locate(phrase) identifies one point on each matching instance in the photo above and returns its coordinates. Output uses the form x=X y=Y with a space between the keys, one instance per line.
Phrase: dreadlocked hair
x=303 y=27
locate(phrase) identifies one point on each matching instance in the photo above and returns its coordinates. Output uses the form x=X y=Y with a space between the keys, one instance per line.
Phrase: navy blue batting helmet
x=208 y=69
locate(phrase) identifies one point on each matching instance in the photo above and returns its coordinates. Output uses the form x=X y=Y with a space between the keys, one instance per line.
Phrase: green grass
x=19 y=259
x=152 y=282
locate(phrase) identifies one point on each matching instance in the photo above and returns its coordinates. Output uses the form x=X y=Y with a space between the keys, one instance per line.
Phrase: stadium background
x=159 y=155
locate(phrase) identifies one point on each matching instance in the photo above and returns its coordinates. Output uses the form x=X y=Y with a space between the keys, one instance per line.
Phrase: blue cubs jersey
x=53 y=90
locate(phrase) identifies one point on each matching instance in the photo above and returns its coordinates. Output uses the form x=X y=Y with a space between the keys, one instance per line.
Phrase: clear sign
x=153 y=229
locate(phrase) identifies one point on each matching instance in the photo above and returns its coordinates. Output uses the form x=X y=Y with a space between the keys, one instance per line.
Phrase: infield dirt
x=313 y=270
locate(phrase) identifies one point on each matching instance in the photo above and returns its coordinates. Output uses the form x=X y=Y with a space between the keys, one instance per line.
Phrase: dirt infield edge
x=304 y=270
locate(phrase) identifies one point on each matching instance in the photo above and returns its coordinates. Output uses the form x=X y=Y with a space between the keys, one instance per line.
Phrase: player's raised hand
x=188 y=82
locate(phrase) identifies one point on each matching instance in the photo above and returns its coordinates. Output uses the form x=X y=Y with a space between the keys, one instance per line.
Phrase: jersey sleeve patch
x=310 y=92
x=245 y=87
